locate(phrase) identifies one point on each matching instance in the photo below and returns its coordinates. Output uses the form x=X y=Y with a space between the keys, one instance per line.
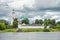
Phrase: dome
x=22 y=17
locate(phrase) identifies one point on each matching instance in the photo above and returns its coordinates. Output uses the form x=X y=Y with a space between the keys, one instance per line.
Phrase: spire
x=13 y=11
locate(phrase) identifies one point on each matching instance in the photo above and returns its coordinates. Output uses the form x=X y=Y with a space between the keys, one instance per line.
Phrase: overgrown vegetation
x=54 y=26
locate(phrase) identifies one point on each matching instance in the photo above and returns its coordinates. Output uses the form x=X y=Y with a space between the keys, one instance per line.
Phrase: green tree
x=53 y=22
x=40 y=21
x=25 y=20
x=57 y=26
x=58 y=22
x=4 y=21
x=15 y=23
x=36 y=21
x=3 y=24
x=46 y=22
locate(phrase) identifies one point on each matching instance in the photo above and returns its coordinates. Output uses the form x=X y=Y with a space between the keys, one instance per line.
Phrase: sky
x=32 y=9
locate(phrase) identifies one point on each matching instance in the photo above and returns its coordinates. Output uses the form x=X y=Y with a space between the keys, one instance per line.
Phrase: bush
x=10 y=30
x=2 y=26
x=18 y=30
x=9 y=26
x=57 y=26
x=46 y=30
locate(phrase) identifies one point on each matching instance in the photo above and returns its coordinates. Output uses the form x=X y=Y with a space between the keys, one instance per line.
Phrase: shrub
x=57 y=26
x=46 y=30
x=9 y=26
x=10 y=30
x=2 y=26
x=18 y=30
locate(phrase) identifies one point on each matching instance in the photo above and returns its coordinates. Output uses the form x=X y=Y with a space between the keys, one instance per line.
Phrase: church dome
x=22 y=17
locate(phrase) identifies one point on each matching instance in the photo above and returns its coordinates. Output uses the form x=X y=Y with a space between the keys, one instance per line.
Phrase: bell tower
x=13 y=16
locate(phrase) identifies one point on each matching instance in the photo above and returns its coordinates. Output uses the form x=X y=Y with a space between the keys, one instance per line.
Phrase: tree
x=53 y=22
x=57 y=26
x=15 y=23
x=36 y=21
x=40 y=21
x=46 y=22
x=58 y=22
x=4 y=21
x=25 y=20
x=3 y=24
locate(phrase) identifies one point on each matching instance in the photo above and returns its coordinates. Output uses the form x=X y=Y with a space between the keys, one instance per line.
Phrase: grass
x=30 y=30
x=54 y=30
x=8 y=30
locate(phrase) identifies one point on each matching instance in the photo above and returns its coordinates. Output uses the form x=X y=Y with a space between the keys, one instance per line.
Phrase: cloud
x=47 y=3
x=57 y=20
x=5 y=18
x=32 y=20
x=52 y=15
x=34 y=4
x=55 y=17
x=21 y=3
x=31 y=8
x=36 y=17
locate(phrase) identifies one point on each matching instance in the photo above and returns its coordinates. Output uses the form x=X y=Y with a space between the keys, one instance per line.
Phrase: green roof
x=20 y=17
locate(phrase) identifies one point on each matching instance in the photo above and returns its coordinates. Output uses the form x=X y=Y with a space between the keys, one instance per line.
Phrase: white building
x=20 y=25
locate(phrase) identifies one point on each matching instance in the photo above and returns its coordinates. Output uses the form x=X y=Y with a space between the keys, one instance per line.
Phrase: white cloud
x=52 y=15
x=37 y=17
x=55 y=17
x=47 y=3
x=29 y=8
x=32 y=20
x=5 y=18
x=57 y=20
x=21 y=3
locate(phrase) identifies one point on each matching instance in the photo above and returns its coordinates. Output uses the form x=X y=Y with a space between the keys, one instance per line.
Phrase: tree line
x=47 y=22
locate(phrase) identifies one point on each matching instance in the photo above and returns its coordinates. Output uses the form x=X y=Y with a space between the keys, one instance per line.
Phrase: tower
x=13 y=16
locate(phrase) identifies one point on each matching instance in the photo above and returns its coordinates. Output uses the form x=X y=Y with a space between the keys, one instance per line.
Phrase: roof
x=21 y=17
x=32 y=25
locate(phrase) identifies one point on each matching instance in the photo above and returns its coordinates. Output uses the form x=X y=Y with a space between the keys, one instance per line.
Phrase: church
x=20 y=25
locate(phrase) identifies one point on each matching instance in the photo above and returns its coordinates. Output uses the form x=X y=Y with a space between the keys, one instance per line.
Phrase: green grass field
x=30 y=30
